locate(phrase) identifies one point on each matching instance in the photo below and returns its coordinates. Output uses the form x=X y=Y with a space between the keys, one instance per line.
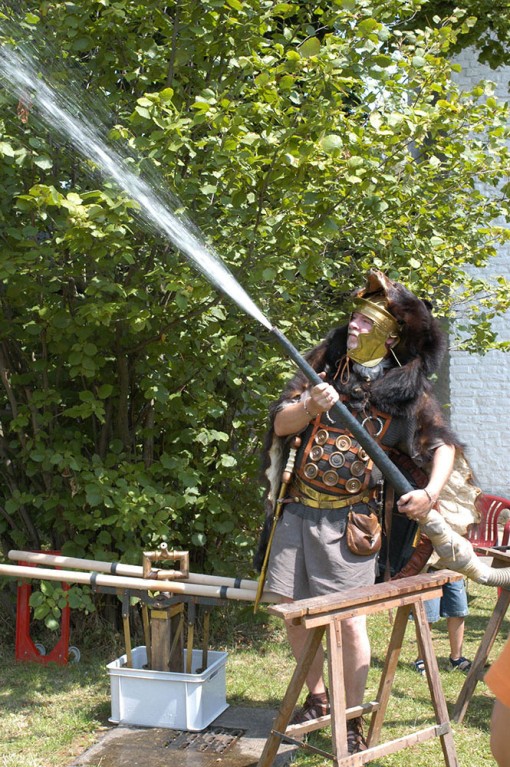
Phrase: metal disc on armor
x=316 y=453
x=353 y=485
x=310 y=470
x=363 y=455
x=358 y=468
x=337 y=460
x=330 y=478
x=321 y=437
x=343 y=443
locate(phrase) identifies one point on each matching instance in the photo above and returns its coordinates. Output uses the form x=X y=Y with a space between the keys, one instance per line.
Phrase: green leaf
x=418 y=62
x=52 y=623
x=310 y=47
x=228 y=460
x=383 y=61
x=145 y=113
x=375 y=120
x=368 y=26
x=44 y=162
x=6 y=149
x=82 y=44
x=36 y=599
x=284 y=9
x=41 y=612
x=208 y=188
x=286 y=82
x=332 y=143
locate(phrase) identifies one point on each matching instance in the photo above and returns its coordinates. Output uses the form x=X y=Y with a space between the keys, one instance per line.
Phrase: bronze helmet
x=372 y=302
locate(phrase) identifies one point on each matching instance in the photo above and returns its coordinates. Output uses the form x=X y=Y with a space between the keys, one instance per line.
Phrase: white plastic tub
x=165 y=698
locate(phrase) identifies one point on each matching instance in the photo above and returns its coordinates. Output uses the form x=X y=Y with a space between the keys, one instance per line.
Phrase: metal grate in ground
x=213 y=740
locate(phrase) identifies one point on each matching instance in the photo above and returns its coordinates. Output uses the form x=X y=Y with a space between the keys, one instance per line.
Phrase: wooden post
x=167 y=638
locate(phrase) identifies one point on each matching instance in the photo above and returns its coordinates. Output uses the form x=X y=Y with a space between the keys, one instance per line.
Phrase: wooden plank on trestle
x=327 y=613
x=426 y=582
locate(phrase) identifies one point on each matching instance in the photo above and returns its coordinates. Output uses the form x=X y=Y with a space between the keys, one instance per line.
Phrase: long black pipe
x=376 y=453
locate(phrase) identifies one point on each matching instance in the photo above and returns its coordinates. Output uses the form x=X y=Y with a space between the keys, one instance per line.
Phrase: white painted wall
x=480 y=385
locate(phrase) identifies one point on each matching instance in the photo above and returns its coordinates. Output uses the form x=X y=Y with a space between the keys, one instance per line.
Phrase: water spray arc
x=18 y=74
x=20 y=77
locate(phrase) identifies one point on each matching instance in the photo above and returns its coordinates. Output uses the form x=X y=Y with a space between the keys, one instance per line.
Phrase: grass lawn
x=50 y=714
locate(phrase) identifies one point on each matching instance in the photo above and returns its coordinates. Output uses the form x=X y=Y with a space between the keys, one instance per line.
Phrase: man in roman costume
x=378 y=364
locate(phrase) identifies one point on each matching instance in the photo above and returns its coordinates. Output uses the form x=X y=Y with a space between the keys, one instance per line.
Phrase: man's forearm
x=442 y=465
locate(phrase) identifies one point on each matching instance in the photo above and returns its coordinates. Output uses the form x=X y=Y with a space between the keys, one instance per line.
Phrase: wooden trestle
x=477 y=670
x=324 y=615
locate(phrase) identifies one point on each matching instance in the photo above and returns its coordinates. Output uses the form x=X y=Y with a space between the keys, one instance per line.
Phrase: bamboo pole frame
x=117 y=568
x=120 y=582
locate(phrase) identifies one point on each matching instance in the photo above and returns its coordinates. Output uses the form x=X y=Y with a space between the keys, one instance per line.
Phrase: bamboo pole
x=137 y=584
x=117 y=568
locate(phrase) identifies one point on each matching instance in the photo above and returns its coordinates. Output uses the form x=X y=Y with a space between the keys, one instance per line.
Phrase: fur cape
x=404 y=390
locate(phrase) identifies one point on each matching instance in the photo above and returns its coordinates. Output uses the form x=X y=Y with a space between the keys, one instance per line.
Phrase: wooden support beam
x=167 y=637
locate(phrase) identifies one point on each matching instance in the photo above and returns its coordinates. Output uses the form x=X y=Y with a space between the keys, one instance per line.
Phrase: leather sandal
x=355 y=738
x=314 y=707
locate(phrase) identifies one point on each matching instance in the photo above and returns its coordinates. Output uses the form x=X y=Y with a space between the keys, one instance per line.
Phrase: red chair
x=487 y=532
x=505 y=538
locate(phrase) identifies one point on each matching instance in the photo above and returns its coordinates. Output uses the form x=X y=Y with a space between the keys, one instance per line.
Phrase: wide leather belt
x=301 y=493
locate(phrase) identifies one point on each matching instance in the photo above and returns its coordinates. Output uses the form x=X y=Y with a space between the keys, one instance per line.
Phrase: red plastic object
x=25 y=648
x=485 y=533
x=505 y=540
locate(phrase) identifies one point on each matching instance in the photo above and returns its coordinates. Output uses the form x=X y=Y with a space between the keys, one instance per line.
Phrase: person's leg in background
x=454 y=607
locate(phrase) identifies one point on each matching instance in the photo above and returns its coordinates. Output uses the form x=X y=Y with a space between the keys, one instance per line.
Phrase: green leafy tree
x=309 y=141
x=486 y=26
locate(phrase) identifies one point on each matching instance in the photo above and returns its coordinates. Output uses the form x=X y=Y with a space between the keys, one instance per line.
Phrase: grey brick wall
x=480 y=385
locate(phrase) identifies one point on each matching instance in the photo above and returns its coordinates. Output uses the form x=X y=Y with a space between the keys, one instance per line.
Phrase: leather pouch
x=363 y=534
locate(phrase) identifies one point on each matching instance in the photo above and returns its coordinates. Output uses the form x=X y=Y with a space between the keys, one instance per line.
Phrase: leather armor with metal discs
x=332 y=469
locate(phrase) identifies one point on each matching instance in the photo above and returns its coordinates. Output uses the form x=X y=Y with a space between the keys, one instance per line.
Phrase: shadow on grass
x=479 y=712
x=26 y=685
